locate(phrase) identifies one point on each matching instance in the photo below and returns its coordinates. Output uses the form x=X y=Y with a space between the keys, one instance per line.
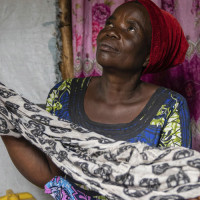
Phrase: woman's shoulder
x=67 y=84
x=173 y=94
x=161 y=90
x=60 y=94
x=166 y=95
x=171 y=99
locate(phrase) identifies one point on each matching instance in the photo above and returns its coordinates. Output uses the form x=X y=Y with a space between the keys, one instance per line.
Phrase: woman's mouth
x=108 y=48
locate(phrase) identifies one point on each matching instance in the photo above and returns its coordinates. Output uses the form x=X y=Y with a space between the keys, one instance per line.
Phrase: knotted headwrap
x=168 y=45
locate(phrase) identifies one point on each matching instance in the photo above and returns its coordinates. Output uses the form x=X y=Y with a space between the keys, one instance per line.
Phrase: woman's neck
x=119 y=88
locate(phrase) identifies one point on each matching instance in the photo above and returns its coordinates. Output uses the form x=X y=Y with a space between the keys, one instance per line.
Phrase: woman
x=117 y=104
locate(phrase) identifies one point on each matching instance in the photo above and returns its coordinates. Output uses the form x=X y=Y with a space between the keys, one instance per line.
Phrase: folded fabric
x=117 y=170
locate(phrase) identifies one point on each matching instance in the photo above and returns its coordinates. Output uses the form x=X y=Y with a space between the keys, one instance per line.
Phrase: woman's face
x=124 y=41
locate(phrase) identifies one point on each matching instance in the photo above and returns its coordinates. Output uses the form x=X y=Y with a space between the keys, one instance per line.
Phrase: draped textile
x=117 y=170
x=88 y=18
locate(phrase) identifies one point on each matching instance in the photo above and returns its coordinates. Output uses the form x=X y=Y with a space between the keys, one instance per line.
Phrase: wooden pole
x=66 y=65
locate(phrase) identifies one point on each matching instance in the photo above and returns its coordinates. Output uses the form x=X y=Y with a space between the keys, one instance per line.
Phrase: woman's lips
x=108 y=48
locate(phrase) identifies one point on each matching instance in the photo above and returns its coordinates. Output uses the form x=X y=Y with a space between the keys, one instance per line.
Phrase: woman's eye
x=131 y=28
x=109 y=24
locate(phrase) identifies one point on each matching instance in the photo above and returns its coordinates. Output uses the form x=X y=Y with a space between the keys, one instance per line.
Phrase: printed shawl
x=117 y=170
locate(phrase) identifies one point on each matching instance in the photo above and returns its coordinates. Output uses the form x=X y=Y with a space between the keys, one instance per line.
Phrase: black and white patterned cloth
x=117 y=170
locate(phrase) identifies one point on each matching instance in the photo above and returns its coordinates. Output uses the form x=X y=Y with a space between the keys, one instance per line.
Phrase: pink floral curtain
x=88 y=18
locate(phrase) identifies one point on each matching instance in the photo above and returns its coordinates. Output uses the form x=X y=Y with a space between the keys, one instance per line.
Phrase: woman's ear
x=146 y=61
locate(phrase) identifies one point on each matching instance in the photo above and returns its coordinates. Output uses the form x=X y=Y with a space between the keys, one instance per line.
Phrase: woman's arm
x=30 y=161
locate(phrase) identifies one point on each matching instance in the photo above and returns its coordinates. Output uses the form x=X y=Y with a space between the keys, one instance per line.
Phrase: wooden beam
x=66 y=65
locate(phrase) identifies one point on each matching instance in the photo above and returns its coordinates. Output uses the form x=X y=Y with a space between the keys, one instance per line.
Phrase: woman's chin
x=106 y=65
x=106 y=61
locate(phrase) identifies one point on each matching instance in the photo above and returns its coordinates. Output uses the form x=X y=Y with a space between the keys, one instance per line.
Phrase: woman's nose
x=113 y=33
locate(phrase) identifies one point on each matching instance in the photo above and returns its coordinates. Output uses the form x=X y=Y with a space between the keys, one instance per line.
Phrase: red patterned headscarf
x=168 y=45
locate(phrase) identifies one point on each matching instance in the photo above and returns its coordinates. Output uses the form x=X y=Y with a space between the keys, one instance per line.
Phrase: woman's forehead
x=133 y=10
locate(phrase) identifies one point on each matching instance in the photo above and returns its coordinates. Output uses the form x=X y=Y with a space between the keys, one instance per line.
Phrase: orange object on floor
x=18 y=196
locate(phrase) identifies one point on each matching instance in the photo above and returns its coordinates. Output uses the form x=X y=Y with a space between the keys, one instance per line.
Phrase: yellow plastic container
x=18 y=196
